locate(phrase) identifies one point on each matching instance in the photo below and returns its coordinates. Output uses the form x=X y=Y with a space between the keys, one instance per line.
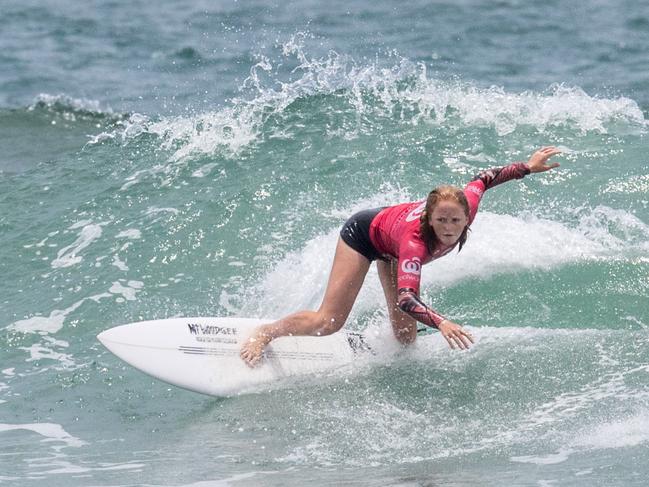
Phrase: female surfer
x=401 y=239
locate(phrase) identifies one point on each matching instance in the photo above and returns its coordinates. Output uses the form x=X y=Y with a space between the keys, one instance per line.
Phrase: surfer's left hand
x=455 y=335
x=539 y=160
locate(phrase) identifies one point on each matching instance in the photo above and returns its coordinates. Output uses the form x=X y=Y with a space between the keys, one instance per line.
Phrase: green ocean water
x=199 y=159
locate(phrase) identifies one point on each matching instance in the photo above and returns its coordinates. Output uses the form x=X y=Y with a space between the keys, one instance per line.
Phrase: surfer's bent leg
x=404 y=326
x=345 y=281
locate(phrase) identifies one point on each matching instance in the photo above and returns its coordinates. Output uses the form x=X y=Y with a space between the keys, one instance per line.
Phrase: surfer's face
x=448 y=221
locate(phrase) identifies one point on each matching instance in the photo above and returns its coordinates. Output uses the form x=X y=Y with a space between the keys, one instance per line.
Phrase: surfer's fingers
x=466 y=340
x=550 y=151
x=547 y=167
x=244 y=356
x=466 y=333
x=455 y=341
x=461 y=340
x=251 y=362
x=248 y=357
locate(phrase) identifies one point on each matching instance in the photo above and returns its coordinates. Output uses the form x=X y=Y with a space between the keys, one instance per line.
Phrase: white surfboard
x=202 y=354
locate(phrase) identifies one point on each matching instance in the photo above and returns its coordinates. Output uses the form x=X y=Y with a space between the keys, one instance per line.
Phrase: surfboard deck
x=201 y=354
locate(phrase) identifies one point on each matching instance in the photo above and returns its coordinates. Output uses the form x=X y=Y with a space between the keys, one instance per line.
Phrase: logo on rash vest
x=416 y=213
x=411 y=266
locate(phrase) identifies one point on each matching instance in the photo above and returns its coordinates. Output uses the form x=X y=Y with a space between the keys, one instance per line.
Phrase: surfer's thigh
x=347 y=275
x=404 y=326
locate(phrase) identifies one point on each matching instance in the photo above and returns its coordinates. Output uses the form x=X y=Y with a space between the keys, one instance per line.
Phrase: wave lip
x=72 y=109
x=559 y=106
x=364 y=95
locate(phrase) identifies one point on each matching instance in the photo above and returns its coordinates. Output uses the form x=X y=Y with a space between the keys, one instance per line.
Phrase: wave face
x=209 y=172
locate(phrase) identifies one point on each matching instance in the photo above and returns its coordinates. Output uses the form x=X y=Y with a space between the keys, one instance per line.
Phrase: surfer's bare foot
x=252 y=349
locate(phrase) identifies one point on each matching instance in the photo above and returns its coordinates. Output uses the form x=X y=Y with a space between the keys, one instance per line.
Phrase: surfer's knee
x=405 y=336
x=404 y=331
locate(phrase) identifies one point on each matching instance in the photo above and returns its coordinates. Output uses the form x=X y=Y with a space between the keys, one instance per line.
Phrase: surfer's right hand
x=252 y=350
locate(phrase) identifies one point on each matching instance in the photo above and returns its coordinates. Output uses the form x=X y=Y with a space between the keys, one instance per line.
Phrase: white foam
x=68 y=256
x=637 y=321
x=80 y=224
x=371 y=89
x=503 y=243
x=45 y=351
x=137 y=176
x=228 y=482
x=154 y=210
x=120 y=264
x=61 y=466
x=231 y=128
x=433 y=100
x=131 y=233
x=613 y=228
x=548 y=459
x=45 y=324
x=561 y=105
x=204 y=170
x=51 y=432
x=635 y=184
x=54 y=322
x=50 y=324
x=568 y=406
x=127 y=292
x=623 y=433
x=619 y=433
x=299 y=280
x=497 y=244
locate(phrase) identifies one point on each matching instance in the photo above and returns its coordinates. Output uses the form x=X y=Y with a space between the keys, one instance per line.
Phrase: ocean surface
x=183 y=158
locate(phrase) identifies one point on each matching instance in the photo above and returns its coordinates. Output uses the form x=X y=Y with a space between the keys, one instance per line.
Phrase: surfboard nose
x=103 y=337
x=107 y=339
x=113 y=336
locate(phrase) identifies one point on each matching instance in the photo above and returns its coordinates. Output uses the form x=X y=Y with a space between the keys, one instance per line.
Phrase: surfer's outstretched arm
x=490 y=178
x=538 y=162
